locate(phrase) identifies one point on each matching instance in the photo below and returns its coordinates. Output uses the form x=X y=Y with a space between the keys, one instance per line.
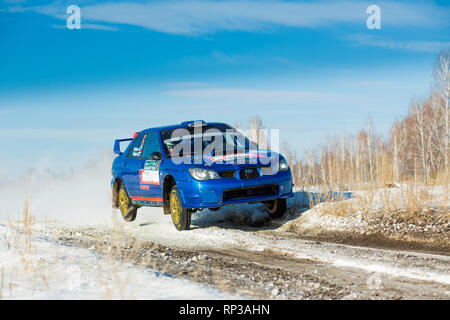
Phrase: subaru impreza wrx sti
x=193 y=166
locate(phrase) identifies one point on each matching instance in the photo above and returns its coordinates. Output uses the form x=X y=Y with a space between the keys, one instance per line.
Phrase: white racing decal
x=150 y=173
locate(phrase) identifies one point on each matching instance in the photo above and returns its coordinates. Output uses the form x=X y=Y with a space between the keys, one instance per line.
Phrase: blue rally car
x=196 y=165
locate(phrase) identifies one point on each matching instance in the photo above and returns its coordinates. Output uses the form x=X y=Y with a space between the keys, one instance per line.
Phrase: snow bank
x=410 y=213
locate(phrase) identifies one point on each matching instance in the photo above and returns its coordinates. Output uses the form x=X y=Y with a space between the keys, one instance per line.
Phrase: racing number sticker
x=150 y=173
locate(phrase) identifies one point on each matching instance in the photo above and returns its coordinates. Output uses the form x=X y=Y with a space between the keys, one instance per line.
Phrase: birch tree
x=442 y=87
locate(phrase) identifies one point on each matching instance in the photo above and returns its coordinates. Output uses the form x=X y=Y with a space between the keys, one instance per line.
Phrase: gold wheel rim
x=123 y=202
x=175 y=208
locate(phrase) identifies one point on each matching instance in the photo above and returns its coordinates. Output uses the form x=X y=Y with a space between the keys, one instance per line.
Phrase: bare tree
x=421 y=137
x=256 y=132
x=369 y=147
x=442 y=87
x=395 y=156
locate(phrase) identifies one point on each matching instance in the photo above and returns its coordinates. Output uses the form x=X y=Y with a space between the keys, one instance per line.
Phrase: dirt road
x=231 y=253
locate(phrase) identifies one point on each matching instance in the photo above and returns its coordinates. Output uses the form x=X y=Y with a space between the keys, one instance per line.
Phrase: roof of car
x=180 y=125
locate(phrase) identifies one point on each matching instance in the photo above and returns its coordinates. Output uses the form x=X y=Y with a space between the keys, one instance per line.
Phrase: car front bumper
x=217 y=193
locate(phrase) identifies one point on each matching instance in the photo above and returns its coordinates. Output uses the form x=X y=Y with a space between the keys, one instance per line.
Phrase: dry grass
x=409 y=203
x=406 y=210
x=23 y=238
x=23 y=242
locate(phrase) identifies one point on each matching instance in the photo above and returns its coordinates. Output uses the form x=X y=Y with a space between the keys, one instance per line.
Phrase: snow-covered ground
x=54 y=271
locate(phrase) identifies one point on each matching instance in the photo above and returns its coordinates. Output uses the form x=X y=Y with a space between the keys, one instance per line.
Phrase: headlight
x=283 y=165
x=203 y=174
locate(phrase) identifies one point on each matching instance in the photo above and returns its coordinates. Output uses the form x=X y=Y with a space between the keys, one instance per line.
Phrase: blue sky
x=310 y=69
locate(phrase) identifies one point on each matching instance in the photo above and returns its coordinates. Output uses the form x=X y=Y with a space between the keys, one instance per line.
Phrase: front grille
x=249 y=173
x=228 y=174
x=247 y=192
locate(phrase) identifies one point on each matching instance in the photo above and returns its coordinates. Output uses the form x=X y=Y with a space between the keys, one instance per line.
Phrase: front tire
x=127 y=208
x=276 y=208
x=181 y=217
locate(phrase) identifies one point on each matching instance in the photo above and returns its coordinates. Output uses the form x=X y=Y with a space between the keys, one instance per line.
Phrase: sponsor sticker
x=237 y=156
x=152 y=165
x=150 y=173
x=137 y=152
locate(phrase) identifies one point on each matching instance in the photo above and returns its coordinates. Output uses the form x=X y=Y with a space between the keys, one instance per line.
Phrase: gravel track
x=264 y=263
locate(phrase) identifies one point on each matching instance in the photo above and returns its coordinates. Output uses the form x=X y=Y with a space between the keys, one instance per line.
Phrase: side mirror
x=156 y=156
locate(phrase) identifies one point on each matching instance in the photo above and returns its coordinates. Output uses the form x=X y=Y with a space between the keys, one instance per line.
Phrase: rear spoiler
x=117 y=145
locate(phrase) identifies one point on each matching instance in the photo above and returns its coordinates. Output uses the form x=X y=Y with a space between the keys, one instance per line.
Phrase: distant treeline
x=417 y=148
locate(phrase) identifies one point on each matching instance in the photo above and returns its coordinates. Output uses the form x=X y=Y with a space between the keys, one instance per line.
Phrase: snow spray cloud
x=235 y=215
x=76 y=196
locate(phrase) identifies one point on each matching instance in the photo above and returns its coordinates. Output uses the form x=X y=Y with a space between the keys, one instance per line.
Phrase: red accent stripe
x=146 y=199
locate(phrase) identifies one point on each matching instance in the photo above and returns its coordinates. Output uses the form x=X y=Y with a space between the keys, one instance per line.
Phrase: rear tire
x=276 y=208
x=127 y=208
x=181 y=217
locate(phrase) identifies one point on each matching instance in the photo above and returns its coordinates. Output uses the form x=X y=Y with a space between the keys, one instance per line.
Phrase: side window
x=137 y=148
x=151 y=145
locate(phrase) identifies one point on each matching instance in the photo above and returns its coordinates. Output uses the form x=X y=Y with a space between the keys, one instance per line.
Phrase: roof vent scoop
x=194 y=123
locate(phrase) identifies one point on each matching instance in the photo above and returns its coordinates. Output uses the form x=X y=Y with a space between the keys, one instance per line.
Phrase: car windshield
x=207 y=139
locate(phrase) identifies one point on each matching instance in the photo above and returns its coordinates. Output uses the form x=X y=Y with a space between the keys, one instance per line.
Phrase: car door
x=133 y=163
x=150 y=176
